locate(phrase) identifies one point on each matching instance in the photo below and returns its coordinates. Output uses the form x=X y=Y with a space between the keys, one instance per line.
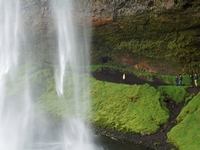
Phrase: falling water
x=73 y=58
x=21 y=127
x=15 y=110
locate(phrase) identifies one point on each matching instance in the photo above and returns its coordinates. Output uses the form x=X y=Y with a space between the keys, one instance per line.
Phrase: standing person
x=176 y=80
x=124 y=78
x=181 y=80
x=195 y=79
x=191 y=80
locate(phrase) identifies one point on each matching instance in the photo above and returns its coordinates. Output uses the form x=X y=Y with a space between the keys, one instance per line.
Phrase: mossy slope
x=127 y=108
x=176 y=93
x=134 y=109
x=185 y=135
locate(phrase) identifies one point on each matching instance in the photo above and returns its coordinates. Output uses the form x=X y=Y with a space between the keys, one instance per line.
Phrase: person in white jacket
x=124 y=78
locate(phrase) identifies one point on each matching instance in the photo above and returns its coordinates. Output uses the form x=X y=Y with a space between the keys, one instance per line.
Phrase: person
x=195 y=79
x=191 y=80
x=124 y=78
x=181 y=80
x=176 y=80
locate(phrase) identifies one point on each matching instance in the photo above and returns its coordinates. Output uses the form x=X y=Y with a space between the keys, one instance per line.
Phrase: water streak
x=15 y=112
x=73 y=57
x=22 y=127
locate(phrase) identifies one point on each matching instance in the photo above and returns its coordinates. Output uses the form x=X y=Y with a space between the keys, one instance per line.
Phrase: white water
x=73 y=55
x=17 y=113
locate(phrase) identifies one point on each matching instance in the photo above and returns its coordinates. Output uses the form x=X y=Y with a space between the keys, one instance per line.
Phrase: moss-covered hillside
x=185 y=135
x=135 y=109
x=128 y=108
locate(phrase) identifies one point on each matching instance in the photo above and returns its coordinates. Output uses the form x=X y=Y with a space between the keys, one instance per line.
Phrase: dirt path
x=115 y=76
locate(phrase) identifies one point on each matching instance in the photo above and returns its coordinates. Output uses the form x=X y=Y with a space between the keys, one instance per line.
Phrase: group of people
x=193 y=80
x=179 y=80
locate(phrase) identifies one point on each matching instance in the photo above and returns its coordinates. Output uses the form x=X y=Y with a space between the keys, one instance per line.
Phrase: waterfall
x=22 y=127
x=73 y=61
x=15 y=110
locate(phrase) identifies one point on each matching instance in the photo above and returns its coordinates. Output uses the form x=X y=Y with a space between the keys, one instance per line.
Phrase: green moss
x=127 y=108
x=190 y=108
x=131 y=108
x=186 y=134
x=57 y=107
x=176 y=93
x=43 y=92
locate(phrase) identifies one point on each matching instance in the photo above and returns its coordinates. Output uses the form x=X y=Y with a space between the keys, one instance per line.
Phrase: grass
x=185 y=135
x=127 y=108
x=176 y=93
x=134 y=109
x=190 y=108
x=41 y=83
x=71 y=100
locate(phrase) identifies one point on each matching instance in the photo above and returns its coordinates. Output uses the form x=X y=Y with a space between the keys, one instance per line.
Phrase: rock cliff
x=130 y=33
x=154 y=36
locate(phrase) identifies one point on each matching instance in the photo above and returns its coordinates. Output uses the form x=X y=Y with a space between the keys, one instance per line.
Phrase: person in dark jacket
x=176 y=80
x=191 y=80
x=181 y=80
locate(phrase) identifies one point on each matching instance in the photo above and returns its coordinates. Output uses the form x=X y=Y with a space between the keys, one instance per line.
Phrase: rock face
x=121 y=8
x=34 y=11
x=144 y=31
x=102 y=11
x=164 y=35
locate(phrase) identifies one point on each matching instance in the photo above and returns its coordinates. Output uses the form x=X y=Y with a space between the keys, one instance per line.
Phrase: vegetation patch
x=176 y=93
x=185 y=135
x=190 y=108
x=71 y=103
x=127 y=108
x=133 y=109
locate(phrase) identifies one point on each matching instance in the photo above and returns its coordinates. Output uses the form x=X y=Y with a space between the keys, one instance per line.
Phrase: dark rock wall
x=131 y=32
x=32 y=10
x=163 y=35
x=121 y=8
